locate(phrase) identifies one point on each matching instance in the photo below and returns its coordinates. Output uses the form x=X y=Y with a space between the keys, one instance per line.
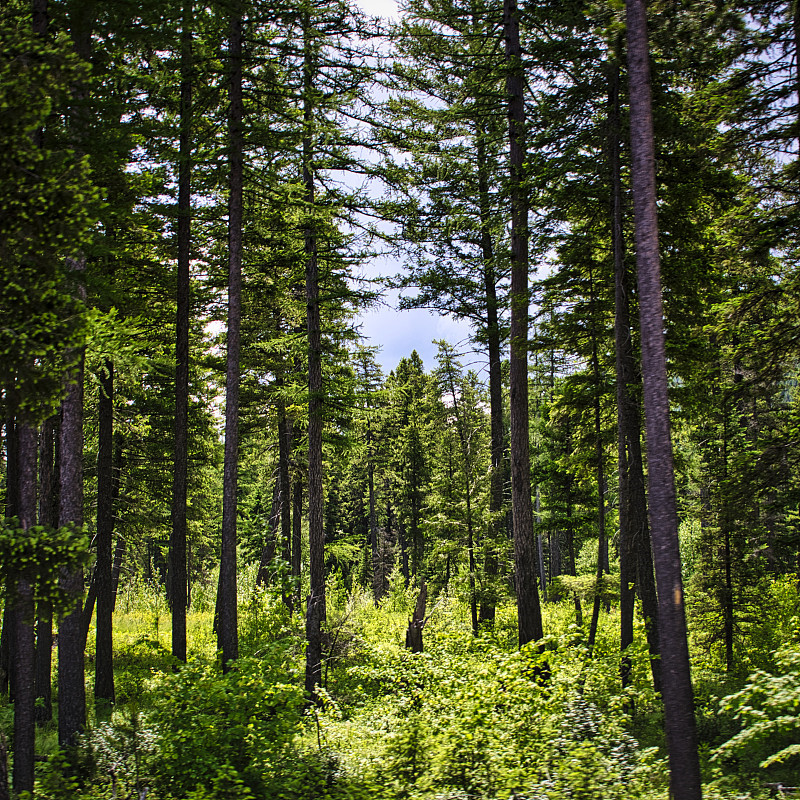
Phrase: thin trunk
x=540 y=545
x=24 y=613
x=528 y=608
x=680 y=726
x=315 y=614
x=622 y=361
x=297 y=535
x=639 y=569
x=227 y=632
x=377 y=571
x=465 y=455
x=489 y=599
x=401 y=536
x=104 y=672
x=726 y=524
x=284 y=453
x=11 y=511
x=177 y=548
x=119 y=549
x=270 y=546
x=48 y=518
x=71 y=631
x=602 y=545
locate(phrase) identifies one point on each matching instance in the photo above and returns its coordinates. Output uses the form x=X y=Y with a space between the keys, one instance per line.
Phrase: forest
x=240 y=559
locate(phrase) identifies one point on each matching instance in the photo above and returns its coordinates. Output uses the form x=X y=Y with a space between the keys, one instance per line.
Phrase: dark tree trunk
x=636 y=559
x=528 y=608
x=377 y=570
x=227 y=632
x=297 y=534
x=401 y=536
x=71 y=632
x=316 y=538
x=11 y=511
x=623 y=365
x=24 y=613
x=269 y=549
x=493 y=341
x=726 y=523
x=284 y=453
x=5 y=792
x=104 y=670
x=676 y=675
x=467 y=474
x=48 y=518
x=602 y=547
x=177 y=555
x=417 y=622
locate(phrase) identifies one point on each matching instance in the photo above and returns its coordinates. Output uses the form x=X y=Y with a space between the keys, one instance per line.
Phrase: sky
x=398 y=333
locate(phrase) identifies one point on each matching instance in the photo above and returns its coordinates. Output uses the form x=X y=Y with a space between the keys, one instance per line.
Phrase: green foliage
x=38 y=554
x=768 y=710
x=242 y=722
x=469 y=719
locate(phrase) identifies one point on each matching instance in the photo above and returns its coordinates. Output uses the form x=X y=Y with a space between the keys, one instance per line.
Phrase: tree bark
x=636 y=559
x=24 y=613
x=71 y=634
x=178 y=577
x=417 y=622
x=284 y=454
x=493 y=340
x=680 y=726
x=316 y=540
x=227 y=633
x=48 y=518
x=528 y=608
x=297 y=534
x=104 y=669
x=11 y=511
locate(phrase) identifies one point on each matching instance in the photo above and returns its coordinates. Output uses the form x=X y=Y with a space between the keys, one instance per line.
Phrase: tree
x=529 y=611
x=677 y=686
x=227 y=630
x=178 y=575
x=447 y=115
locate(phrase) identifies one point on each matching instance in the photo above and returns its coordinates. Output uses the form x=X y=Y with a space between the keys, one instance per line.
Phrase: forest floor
x=468 y=718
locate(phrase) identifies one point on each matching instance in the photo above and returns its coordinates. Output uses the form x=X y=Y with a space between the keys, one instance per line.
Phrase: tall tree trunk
x=528 y=608
x=676 y=675
x=602 y=547
x=493 y=339
x=227 y=633
x=11 y=511
x=467 y=475
x=177 y=554
x=622 y=333
x=48 y=518
x=104 y=671
x=71 y=632
x=24 y=613
x=316 y=539
x=284 y=453
x=636 y=560
x=297 y=535
x=377 y=571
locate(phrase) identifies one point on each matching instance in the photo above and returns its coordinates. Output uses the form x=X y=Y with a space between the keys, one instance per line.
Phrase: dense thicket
x=189 y=198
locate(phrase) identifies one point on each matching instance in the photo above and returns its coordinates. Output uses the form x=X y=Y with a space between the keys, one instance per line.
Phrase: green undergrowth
x=471 y=717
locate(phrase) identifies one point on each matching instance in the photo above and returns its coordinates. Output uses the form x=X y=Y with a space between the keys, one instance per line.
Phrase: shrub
x=226 y=728
x=768 y=710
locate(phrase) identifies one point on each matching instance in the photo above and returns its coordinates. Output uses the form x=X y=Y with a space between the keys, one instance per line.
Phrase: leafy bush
x=467 y=719
x=768 y=710
x=234 y=729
